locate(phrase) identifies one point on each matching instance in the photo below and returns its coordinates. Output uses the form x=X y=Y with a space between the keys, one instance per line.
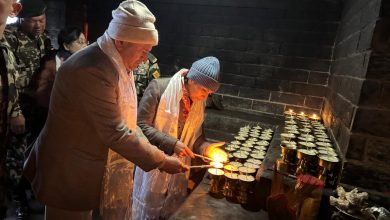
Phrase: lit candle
x=216 y=164
x=290 y=112
x=314 y=117
x=217 y=182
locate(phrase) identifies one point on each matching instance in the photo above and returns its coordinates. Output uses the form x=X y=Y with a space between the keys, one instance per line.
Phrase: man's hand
x=173 y=165
x=182 y=150
x=17 y=124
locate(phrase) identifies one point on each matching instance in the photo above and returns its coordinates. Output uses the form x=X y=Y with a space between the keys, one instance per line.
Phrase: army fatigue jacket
x=9 y=97
x=28 y=52
x=145 y=73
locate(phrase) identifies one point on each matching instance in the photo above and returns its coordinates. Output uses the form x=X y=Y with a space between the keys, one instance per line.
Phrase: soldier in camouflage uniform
x=145 y=73
x=9 y=104
x=29 y=44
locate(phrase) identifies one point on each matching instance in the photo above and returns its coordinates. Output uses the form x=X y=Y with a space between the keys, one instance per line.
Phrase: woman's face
x=197 y=92
x=76 y=45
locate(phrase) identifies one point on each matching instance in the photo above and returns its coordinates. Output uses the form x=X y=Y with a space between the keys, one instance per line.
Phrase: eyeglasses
x=80 y=42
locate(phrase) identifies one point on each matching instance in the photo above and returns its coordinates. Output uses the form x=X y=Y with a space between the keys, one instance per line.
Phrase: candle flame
x=218 y=155
x=302 y=113
x=216 y=164
x=290 y=110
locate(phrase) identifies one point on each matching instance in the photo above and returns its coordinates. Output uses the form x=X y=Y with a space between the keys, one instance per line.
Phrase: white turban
x=133 y=22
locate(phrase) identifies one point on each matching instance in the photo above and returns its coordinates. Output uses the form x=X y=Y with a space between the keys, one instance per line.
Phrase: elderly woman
x=171 y=114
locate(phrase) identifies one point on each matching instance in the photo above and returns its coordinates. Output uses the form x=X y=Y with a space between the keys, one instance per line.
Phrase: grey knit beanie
x=206 y=73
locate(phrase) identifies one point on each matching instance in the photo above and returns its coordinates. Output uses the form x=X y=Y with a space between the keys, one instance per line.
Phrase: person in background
x=171 y=114
x=29 y=43
x=145 y=73
x=70 y=40
x=93 y=109
x=9 y=104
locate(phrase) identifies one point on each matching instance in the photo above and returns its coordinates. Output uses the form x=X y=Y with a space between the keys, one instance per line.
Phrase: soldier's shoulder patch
x=156 y=74
x=152 y=58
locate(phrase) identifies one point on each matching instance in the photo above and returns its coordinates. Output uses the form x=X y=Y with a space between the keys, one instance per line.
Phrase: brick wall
x=275 y=54
x=356 y=107
x=55 y=18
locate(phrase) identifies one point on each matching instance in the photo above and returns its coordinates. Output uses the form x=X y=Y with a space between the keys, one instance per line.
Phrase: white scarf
x=127 y=97
x=116 y=201
x=157 y=194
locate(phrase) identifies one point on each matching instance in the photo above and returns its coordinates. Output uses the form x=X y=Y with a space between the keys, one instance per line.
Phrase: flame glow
x=217 y=164
x=218 y=155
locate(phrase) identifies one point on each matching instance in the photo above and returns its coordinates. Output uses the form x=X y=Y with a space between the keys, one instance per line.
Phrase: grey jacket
x=67 y=161
x=147 y=110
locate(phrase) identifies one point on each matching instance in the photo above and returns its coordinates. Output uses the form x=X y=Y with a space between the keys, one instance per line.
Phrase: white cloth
x=133 y=22
x=58 y=62
x=157 y=194
x=118 y=178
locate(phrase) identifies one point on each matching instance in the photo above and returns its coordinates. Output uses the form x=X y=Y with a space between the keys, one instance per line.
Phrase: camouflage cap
x=32 y=8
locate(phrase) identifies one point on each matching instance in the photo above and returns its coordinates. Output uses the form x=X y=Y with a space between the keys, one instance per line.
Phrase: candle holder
x=230 y=189
x=252 y=165
x=243 y=134
x=324 y=144
x=254 y=161
x=217 y=182
x=256 y=151
x=247 y=149
x=247 y=171
x=328 y=170
x=257 y=156
x=229 y=168
x=260 y=148
x=262 y=143
x=327 y=152
x=289 y=152
x=240 y=138
x=246 y=186
x=240 y=156
x=314 y=117
x=235 y=163
x=290 y=130
x=287 y=136
x=290 y=113
x=307 y=162
x=306 y=138
x=236 y=142
x=265 y=137
x=306 y=145
x=230 y=148
x=268 y=131
x=253 y=139
x=323 y=140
